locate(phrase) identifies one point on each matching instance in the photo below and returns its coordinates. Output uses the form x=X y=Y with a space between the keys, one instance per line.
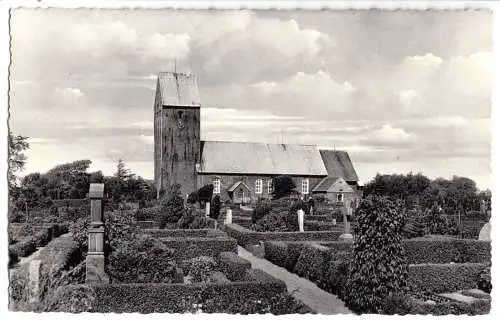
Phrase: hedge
x=439 y=278
x=233 y=266
x=183 y=233
x=424 y=250
x=284 y=254
x=312 y=262
x=56 y=258
x=237 y=297
x=321 y=226
x=188 y=247
x=146 y=224
x=249 y=237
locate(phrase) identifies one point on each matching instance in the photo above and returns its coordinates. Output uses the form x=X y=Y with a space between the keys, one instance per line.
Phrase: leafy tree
x=205 y=193
x=17 y=158
x=69 y=180
x=283 y=185
x=172 y=205
x=122 y=172
x=378 y=269
x=215 y=206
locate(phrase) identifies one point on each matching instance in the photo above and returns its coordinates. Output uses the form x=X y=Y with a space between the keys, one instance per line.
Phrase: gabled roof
x=333 y=184
x=236 y=184
x=178 y=89
x=338 y=164
x=259 y=158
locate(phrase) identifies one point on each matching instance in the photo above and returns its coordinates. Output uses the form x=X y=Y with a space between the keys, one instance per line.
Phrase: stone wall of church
x=227 y=181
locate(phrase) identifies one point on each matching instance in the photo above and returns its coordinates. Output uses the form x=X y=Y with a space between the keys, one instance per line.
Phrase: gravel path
x=302 y=289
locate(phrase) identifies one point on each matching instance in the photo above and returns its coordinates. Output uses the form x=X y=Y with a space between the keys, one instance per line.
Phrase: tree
x=17 y=158
x=205 y=193
x=378 y=269
x=283 y=185
x=215 y=205
x=69 y=180
x=172 y=206
x=122 y=172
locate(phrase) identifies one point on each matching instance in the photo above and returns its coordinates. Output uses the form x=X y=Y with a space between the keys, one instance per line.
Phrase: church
x=241 y=172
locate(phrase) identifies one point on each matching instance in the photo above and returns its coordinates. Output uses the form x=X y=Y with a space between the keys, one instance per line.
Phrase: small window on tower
x=217 y=186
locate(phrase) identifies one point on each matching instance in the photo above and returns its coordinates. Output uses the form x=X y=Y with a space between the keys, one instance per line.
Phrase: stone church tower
x=176 y=131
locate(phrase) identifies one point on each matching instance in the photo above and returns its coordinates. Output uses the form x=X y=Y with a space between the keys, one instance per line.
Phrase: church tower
x=176 y=131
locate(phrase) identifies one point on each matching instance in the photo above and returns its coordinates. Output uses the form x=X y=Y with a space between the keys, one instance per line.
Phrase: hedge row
x=327 y=267
x=423 y=250
x=440 y=278
x=188 y=247
x=248 y=237
x=183 y=233
x=443 y=250
x=29 y=244
x=55 y=259
x=237 y=297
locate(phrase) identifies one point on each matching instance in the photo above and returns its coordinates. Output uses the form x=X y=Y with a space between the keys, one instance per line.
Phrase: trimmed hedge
x=284 y=254
x=23 y=248
x=312 y=262
x=424 y=250
x=249 y=237
x=237 y=297
x=186 y=248
x=233 y=266
x=183 y=233
x=439 y=278
x=146 y=224
x=321 y=226
x=154 y=214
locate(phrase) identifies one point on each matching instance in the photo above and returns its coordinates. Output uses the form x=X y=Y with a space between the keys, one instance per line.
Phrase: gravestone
x=484 y=234
x=300 y=217
x=229 y=216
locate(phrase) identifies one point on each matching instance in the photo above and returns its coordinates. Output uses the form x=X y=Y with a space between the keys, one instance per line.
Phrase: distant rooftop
x=178 y=89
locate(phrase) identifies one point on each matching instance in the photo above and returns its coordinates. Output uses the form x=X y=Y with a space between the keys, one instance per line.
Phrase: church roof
x=332 y=184
x=259 y=158
x=338 y=164
x=178 y=89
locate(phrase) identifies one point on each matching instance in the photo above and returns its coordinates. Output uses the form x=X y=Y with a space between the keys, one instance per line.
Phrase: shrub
x=283 y=186
x=200 y=269
x=13 y=257
x=337 y=273
x=72 y=298
x=187 y=218
x=149 y=214
x=416 y=228
x=140 y=259
x=172 y=206
x=192 y=198
x=205 y=193
x=215 y=207
x=484 y=282
x=23 y=248
x=446 y=250
x=439 y=278
x=202 y=222
x=312 y=261
x=233 y=266
x=299 y=205
x=279 y=219
x=378 y=268
x=262 y=207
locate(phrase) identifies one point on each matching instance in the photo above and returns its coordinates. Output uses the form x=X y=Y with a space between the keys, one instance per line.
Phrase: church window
x=340 y=197
x=258 y=186
x=305 y=186
x=270 y=186
x=217 y=186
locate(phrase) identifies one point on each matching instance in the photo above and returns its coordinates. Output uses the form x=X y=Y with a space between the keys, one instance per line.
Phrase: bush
x=378 y=268
x=192 y=198
x=141 y=259
x=72 y=298
x=202 y=222
x=205 y=193
x=439 y=278
x=233 y=266
x=337 y=273
x=200 y=269
x=172 y=205
x=23 y=248
x=279 y=219
x=312 y=262
x=484 y=282
x=262 y=207
x=416 y=228
x=215 y=207
x=149 y=214
x=446 y=250
x=13 y=257
x=283 y=186
x=187 y=218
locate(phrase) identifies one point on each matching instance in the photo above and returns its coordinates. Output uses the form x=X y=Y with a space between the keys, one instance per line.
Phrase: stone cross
x=300 y=217
x=95 y=257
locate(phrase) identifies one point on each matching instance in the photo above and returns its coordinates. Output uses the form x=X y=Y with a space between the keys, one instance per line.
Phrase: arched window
x=216 y=184
x=258 y=186
x=340 y=197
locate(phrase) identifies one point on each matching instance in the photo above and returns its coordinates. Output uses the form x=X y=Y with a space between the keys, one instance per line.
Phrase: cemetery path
x=302 y=289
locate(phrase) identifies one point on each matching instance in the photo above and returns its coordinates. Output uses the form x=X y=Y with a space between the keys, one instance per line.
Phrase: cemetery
x=179 y=256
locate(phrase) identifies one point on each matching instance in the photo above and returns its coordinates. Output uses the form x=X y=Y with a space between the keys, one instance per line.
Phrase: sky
x=401 y=91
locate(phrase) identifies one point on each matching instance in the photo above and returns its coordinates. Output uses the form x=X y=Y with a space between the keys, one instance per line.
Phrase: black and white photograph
x=249 y=161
